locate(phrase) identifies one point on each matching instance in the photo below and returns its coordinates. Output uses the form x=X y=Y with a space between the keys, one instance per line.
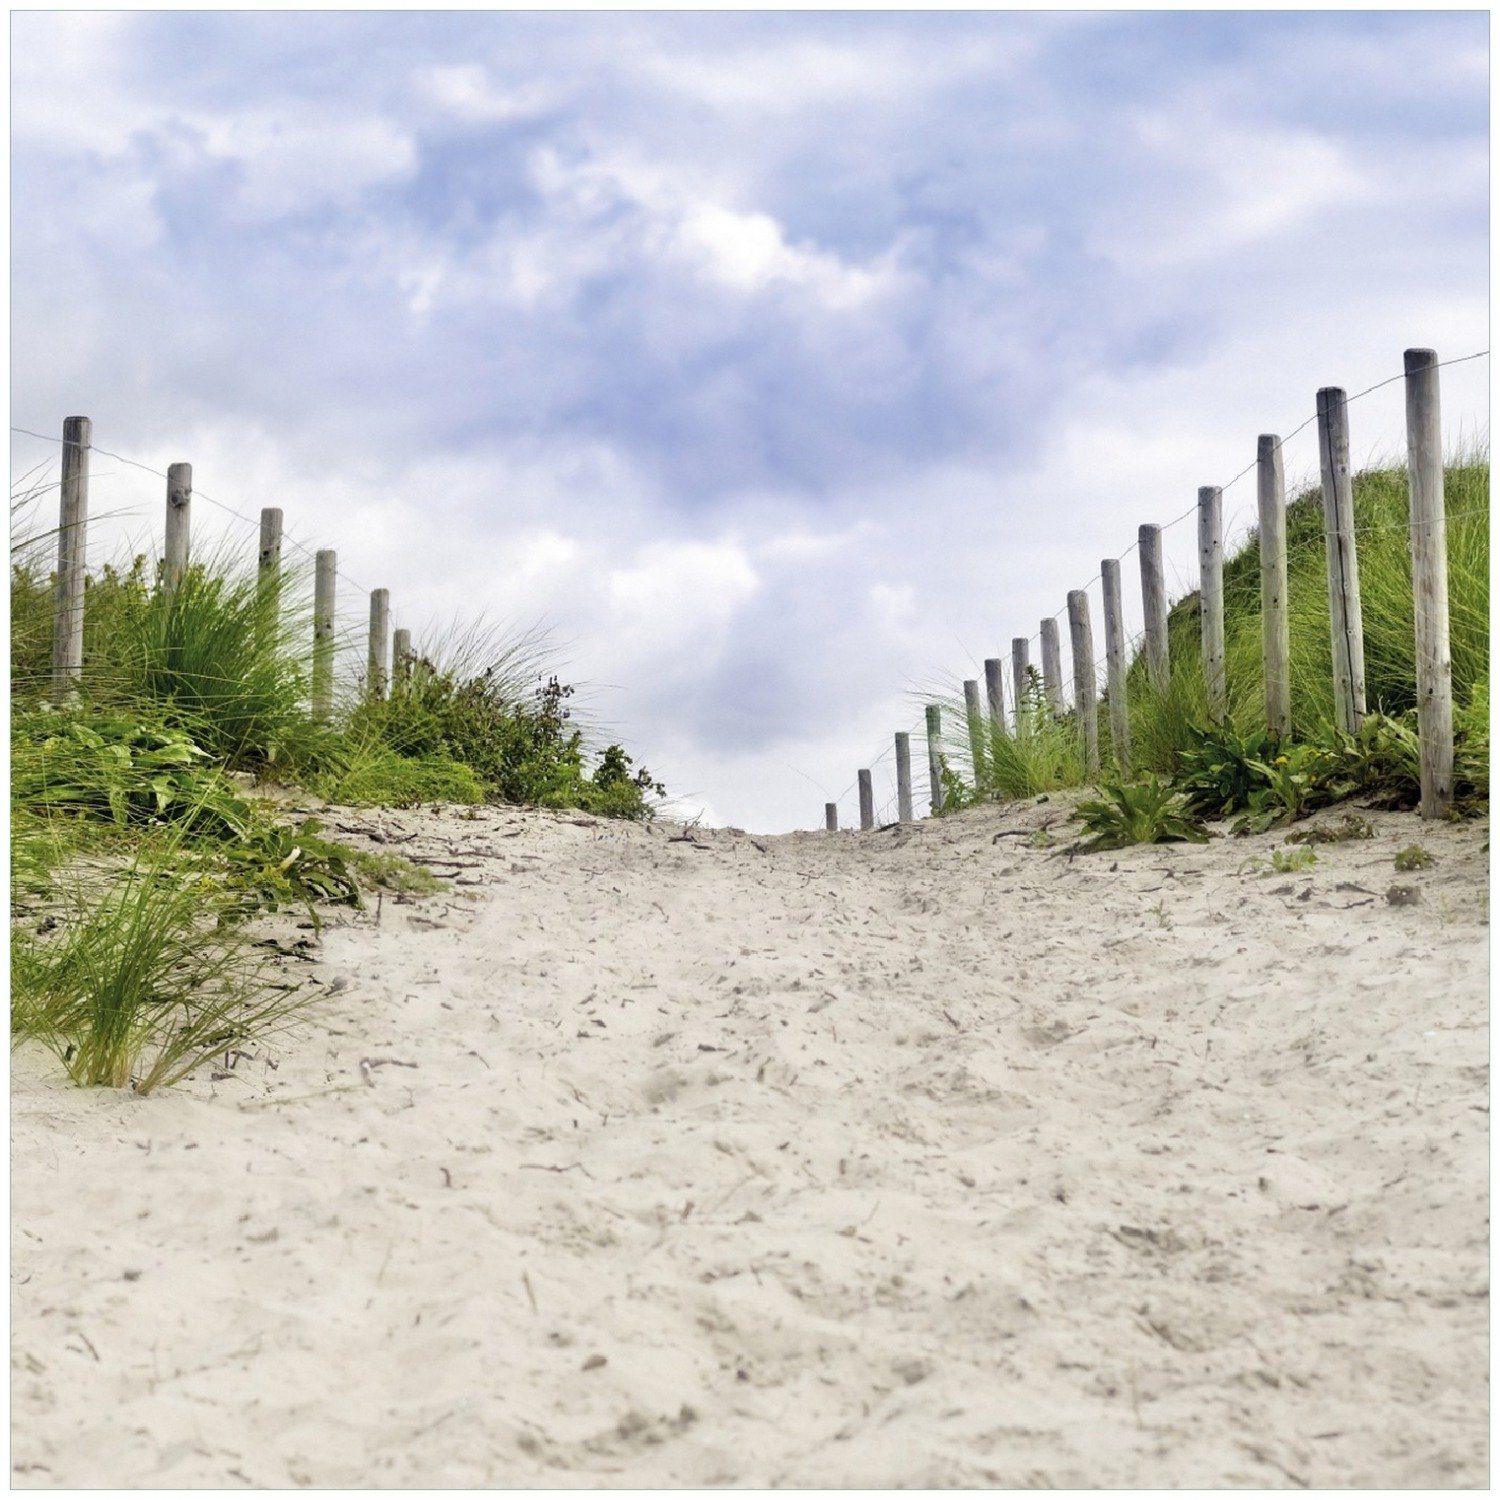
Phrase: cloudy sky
x=783 y=364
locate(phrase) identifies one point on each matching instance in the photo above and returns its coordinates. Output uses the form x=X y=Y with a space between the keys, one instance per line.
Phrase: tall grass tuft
x=139 y=986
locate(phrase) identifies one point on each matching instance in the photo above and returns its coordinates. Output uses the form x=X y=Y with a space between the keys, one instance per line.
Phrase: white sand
x=917 y=1158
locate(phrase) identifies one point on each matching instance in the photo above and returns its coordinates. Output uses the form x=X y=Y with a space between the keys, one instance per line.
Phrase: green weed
x=1148 y=812
x=1289 y=861
x=1413 y=857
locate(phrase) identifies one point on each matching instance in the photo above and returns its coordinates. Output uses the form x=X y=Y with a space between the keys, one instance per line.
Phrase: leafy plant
x=1382 y=761
x=1413 y=857
x=123 y=769
x=1148 y=812
x=375 y=776
x=1297 y=781
x=1289 y=861
x=519 y=748
x=957 y=793
x=1471 y=756
x=1219 y=770
x=276 y=866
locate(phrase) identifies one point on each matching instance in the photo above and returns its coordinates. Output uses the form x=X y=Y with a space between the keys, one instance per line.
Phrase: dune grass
x=135 y=983
x=137 y=855
x=1047 y=754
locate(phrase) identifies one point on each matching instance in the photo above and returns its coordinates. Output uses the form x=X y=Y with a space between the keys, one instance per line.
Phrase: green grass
x=136 y=855
x=1162 y=723
x=134 y=984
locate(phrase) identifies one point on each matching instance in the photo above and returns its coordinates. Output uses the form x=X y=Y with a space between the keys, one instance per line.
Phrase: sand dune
x=922 y=1157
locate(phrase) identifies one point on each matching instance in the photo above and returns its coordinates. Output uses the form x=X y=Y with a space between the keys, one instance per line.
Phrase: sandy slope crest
x=920 y=1157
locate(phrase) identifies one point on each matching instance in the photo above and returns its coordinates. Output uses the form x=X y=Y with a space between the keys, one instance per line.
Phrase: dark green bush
x=521 y=750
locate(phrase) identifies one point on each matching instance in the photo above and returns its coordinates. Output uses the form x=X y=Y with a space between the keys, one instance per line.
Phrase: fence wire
x=1228 y=540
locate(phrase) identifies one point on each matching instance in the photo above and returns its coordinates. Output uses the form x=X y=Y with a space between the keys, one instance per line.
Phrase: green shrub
x=1381 y=762
x=520 y=749
x=113 y=766
x=1218 y=770
x=216 y=656
x=1148 y=812
x=1413 y=857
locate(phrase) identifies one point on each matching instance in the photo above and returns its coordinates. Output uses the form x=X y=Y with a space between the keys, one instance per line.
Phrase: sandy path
x=916 y=1158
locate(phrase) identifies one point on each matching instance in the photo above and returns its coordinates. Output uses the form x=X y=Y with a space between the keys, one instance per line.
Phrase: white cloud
x=469 y=92
x=779 y=362
x=293 y=160
x=749 y=252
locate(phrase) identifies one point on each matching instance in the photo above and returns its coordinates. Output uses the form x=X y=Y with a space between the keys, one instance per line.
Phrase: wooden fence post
x=1085 y=693
x=1429 y=581
x=935 y=756
x=1345 y=617
x=380 y=642
x=866 y=802
x=1052 y=667
x=975 y=716
x=174 y=559
x=903 y=777
x=268 y=566
x=1020 y=678
x=325 y=581
x=994 y=676
x=1211 y=596
x=72 y=536
x=1115 y=663
x=1275 y=627
x=1154 y=607
x=831 y=816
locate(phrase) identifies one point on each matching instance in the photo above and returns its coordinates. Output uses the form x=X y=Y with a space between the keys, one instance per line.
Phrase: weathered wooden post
x=174 y=558
x=268 y=568
x=1052 y=667
x=380 y=642
x=325 y=581
x=1115 y=663
x=1020 y=679
x=1085 y=694
x=1345 y=617
x=401 y=657
x=1211 y=597
x=268 y=565
x=1154 y=607
x=866 y=801
x=935 y=756
x=994 y=677
x=831 y=816
x=903 y=777
x=975 y=716
x=72 y=536
x=1275 y=626
x=1429 y=581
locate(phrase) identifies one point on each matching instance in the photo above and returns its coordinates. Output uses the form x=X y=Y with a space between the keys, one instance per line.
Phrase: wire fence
x=1240 y=529
x=34 y=487
x=347 y=641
